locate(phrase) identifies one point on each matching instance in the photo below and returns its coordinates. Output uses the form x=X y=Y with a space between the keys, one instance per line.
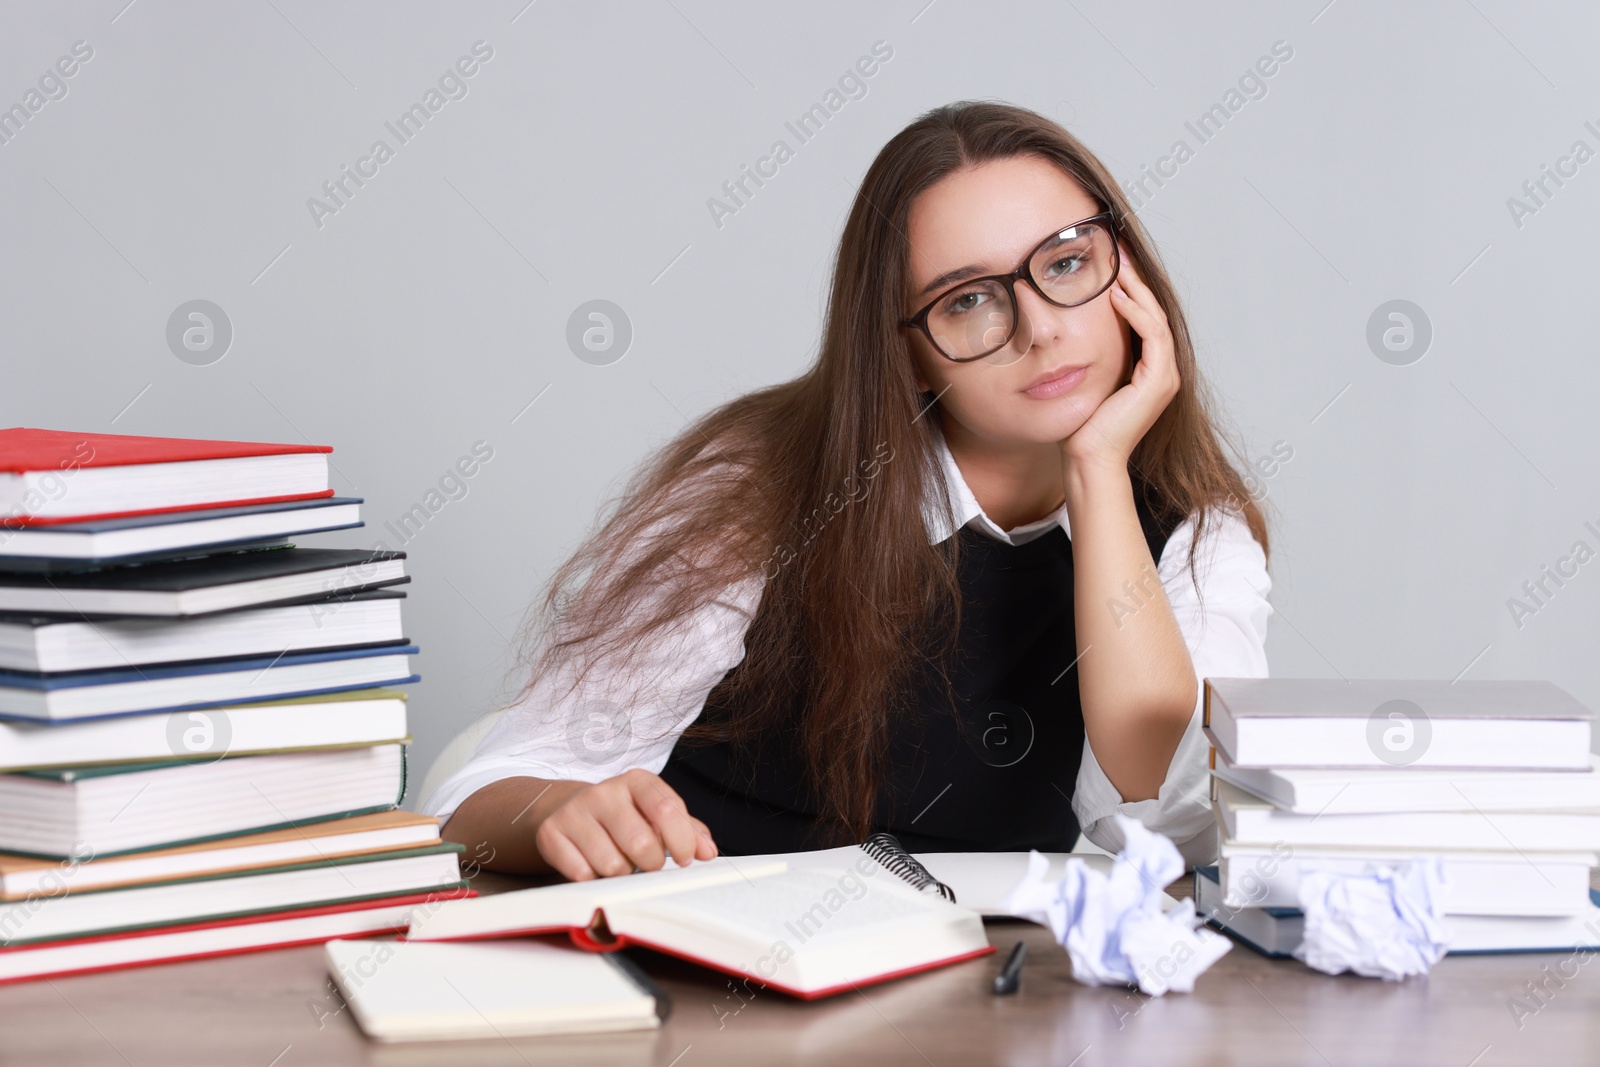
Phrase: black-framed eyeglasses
x=978 y=317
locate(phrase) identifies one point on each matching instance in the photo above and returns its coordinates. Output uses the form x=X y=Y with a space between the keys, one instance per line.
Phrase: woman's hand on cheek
x=1123 y=418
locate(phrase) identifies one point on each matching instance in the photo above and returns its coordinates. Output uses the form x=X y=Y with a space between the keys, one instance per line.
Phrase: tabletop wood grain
x=278 y=1009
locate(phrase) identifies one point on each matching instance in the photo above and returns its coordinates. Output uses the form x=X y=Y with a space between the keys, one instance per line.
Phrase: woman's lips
x=1063 y=383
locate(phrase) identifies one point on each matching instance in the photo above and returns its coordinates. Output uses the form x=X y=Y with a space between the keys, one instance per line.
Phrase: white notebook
x=435 y=991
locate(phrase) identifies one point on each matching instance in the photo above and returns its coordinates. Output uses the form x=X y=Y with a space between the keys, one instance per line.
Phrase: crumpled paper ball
x=1382 y=924
x=1113 y=926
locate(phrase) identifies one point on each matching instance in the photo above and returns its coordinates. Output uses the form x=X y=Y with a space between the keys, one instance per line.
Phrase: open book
x=808 y=931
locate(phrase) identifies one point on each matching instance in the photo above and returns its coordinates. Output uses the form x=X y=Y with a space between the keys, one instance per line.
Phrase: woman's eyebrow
x=950 y=277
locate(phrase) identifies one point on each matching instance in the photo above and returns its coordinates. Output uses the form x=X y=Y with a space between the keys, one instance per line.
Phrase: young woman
x=958 y=581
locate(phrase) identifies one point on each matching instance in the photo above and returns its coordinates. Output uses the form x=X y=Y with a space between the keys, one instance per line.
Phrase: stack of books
x=202 y=746
x=1495 y=779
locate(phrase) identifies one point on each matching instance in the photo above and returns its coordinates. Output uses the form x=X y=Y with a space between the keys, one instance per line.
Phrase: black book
x=205 y=584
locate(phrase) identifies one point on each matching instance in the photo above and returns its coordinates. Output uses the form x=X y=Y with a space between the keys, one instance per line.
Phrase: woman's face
x=990 y=216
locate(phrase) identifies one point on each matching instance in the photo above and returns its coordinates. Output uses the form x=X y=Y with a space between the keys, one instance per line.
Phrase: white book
x=197 y=940
x=322 y=883
x=436 y=991
x=43 y=643
x=1314 y=791
x=356 y=717
x=23 y=876
x=809 y=932
x=112 y=541
x=104 y=811
x=1329 y=722
x=1250 y=820
x=1278 y=931
x=1475 y=883
x=182 y=686
x=115 y=489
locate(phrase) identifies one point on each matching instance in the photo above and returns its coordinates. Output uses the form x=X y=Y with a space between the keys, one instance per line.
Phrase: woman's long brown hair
x=815 y=488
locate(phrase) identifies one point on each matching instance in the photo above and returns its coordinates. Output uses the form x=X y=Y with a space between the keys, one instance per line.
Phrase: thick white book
x=437 y=991
x=809 y=932
x=1475 y=883
x=1330 y=722
x=1278 y=931
x=326 y=720
x=1248 y=819
x=57 y=642
x=63 y=697
x=108 y=542
x=23 y=876
x=49 y=476
x=220 y=937
x=315 y=883
x=1317 y=791
x=81 y=812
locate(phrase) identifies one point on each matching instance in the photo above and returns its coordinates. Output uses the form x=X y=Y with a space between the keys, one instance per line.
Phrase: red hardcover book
x=809 y=932
x=218 y=937
x=57 y=476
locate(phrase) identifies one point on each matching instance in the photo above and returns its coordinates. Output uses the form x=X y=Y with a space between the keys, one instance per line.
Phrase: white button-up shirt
x=611 y=724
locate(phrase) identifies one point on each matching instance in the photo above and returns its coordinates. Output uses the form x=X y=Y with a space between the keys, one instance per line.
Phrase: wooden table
x=277 y=1009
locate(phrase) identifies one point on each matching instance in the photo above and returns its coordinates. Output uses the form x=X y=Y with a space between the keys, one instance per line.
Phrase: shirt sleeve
x=1226 y=638
x=622 y=716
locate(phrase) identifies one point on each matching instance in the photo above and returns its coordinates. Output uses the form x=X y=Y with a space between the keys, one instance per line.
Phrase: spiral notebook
x=980 y=881
x=809 y=928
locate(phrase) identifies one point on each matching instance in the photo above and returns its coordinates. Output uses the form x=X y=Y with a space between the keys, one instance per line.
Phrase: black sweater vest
x=996 y=775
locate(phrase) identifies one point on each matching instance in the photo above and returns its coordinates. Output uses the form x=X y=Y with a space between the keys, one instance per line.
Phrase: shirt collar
x=966 y=510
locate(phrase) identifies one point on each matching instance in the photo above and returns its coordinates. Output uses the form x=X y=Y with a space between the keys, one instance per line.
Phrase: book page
x=568 y=904
x=802 y=903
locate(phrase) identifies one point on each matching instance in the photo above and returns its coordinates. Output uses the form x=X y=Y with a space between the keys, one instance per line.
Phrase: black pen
x=1010 y=976
x=626 y=964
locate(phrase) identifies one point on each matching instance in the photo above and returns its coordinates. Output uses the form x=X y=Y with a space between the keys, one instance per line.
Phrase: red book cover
x=598 y=938
x=582 y=939
x=25 y=450
x=154 y=935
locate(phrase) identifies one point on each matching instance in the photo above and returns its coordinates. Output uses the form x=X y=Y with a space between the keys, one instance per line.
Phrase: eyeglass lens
x=976 y=319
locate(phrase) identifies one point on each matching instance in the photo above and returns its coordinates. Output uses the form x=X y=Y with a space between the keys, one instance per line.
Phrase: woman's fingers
x=667 y=813
x=1129 y=309
x=1117 y=425
x=1127 y=270
x=1133 y=299
x=1136 y=302
x=705 y=848
x=1140 y=299
x=563 y=854
x=634 y=837
x=631 y=822
x=595 y=841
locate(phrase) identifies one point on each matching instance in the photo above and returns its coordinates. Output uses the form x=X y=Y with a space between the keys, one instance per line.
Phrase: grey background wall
x=427 y=309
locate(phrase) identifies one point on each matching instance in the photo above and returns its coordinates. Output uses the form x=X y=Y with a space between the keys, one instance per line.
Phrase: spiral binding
x=887 y=850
